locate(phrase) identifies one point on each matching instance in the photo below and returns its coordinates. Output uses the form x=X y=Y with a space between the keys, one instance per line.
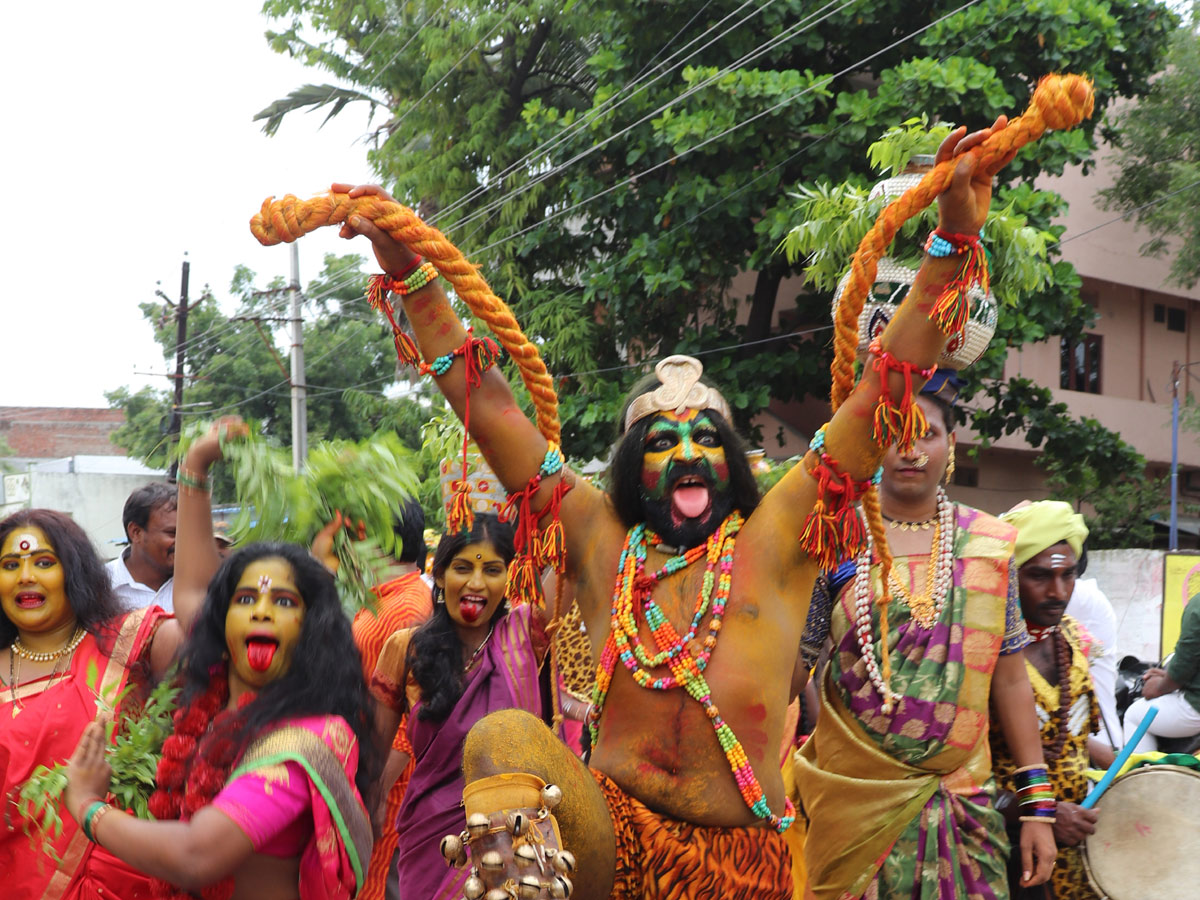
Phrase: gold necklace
x=22 y=651
x=913 y=526
x=14 y=669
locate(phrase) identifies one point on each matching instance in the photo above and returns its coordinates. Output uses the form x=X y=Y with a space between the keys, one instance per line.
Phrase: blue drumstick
x=1122 y=757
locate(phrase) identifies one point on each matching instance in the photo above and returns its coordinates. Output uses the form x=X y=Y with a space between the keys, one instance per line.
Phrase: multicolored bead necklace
x=624 y=643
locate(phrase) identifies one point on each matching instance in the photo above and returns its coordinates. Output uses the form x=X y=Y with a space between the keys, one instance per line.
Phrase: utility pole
x=299 y=396
x=1173 y=541
x=181 y=311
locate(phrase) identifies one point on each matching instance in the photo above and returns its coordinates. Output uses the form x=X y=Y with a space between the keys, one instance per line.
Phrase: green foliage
x=890 y=154
x=367 y=481
x=1158 y=158
x=237 y=365
x=612 y=180
x=132 y=755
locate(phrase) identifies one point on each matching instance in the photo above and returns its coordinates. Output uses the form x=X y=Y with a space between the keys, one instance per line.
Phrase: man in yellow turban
x=1050 y=536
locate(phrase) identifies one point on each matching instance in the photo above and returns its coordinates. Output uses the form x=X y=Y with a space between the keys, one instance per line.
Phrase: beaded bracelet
x=193 y=480
x=1035 y=795
x=941 y=244
x=425 y=273
x=408 y=270
x=484 y=354
x=95 y=810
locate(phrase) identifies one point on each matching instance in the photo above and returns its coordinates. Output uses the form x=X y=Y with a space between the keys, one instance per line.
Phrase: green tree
x=238 y=364
x=1158 y=159
x=613 y=167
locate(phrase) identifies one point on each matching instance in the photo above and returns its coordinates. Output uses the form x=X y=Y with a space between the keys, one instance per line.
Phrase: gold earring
x=950 y=470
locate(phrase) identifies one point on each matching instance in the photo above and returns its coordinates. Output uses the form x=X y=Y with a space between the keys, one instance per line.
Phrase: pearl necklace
x=46 y=656
x=926 y=609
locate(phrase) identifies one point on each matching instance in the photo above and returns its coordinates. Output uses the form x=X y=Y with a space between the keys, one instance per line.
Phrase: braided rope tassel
x=1059 y=102
x=289 y=218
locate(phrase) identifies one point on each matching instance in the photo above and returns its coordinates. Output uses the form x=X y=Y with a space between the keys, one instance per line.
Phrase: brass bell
x=528 y=887
x=551 y=796
x=478 y=825
x=558 y=890
x=525 y=855
x=474 y=888
x=491 y=862
x=497 y=894
x=564 y=863
x=565 y=882
x=452 y=848
x=518 y=823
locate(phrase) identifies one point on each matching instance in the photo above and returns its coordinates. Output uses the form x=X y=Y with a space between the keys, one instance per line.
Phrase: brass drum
x=1147 y=840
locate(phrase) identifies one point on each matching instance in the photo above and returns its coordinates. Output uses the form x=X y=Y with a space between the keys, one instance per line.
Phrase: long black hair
x=625 y=468
x=325 y=676
x=88 y=587
x=435 y=652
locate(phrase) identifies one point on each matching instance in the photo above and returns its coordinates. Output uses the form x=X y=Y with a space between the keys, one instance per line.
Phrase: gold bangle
x=1049 y=820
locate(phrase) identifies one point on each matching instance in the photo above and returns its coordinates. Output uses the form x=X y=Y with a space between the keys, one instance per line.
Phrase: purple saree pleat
x=505 y=678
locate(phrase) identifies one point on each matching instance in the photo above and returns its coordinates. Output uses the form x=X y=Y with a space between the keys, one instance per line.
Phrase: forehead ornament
x=264 y=583
x=27 y=543
x=680 y=390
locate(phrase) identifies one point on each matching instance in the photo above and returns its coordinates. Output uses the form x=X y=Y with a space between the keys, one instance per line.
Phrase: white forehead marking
x=26 y=543
x=1058 y=559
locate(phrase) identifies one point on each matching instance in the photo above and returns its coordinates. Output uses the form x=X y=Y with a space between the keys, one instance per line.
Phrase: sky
x=130 y=141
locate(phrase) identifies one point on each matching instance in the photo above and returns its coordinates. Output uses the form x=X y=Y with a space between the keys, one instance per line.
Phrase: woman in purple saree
x=471 y=658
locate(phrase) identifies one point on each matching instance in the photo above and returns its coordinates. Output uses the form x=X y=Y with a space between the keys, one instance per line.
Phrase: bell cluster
x=537 y=870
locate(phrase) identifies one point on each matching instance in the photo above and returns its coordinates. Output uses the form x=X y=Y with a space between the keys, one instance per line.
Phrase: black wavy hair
x=325 y=676
x=625 y=468
x=435 y=652
x=140 y=505
x=409 y=527
x=88 y=587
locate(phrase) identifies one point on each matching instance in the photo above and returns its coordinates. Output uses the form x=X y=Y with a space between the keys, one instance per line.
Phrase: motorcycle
x=1130 y=678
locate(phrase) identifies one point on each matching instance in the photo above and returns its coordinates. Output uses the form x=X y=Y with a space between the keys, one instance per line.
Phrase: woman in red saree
x=64 y=640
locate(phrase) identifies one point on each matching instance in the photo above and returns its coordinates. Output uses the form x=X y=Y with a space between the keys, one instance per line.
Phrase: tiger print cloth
x=660 y=858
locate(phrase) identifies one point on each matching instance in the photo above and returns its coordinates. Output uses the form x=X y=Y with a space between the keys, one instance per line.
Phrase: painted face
x=1047 y=582
x=263 y=623
x=684 y=461
x=474 y=583
x=914 y=475
x=32 y=583
x=155 y=544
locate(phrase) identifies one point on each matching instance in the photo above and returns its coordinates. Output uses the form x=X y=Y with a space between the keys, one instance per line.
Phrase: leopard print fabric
x=660 y=858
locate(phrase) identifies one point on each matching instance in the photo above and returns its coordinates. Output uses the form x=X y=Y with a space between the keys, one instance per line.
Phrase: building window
x=1176 y=319
x=1160 y=313
x=966 y=476
x=1079 y=367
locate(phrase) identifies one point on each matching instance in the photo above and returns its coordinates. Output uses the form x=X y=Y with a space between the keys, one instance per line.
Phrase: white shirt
x=1089 y=605
x=136 y=594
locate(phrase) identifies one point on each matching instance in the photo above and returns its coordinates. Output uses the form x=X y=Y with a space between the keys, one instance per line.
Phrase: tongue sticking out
x=470 y=609
x=259 y=654
x=691 y=500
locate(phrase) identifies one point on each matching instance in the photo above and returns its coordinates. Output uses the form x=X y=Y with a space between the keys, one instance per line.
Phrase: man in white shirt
x=1090 y=606
x=143 y=575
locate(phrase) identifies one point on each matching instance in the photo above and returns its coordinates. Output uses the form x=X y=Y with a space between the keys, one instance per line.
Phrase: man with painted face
x=694 y=594
x=1050 y=536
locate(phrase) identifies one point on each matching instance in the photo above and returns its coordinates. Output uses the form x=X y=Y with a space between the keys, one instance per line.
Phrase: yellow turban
x=1044 y=524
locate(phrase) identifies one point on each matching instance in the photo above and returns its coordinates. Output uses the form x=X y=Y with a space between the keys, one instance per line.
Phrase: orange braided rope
x=1059 y=102
x=287 y=219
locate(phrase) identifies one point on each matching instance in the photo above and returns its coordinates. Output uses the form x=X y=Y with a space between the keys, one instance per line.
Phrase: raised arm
x=196 y=557
x=912 y=337
x=512 y=445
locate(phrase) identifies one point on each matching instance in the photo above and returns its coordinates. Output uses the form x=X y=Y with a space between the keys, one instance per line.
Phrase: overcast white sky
x=129 y=140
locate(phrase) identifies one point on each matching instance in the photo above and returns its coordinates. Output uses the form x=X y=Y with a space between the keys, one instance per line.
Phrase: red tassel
x=459 y=515
x=833 y=531
x=953 y=308
x=899 y=423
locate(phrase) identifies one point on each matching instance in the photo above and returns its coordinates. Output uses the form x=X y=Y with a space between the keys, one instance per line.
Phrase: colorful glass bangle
x=91 y=816
x=191 y=480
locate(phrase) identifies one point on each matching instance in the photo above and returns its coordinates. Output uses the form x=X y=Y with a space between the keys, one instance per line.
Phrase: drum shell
x=1147 y=840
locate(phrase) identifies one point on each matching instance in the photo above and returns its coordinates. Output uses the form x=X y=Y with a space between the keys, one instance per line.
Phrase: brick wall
x=42 y=432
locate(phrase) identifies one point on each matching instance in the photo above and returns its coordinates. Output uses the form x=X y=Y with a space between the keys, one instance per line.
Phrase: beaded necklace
x=926 y=610
x=624 y=643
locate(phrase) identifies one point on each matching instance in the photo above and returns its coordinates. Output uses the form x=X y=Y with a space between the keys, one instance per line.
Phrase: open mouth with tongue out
x=690 y=499
x=260 y=651
x=471 y=607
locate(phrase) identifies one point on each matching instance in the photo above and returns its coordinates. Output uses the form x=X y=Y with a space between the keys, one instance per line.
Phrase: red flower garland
x=196 y=761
